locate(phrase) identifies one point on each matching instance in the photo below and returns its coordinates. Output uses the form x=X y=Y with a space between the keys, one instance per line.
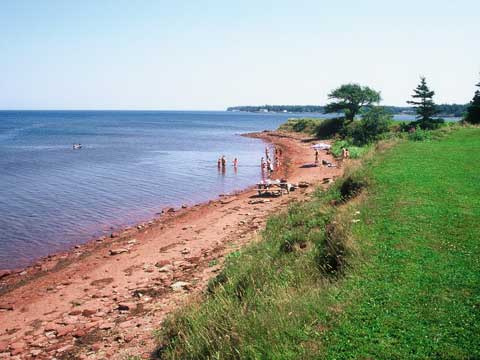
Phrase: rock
x=131 y=242
x=96 y=346
x=166 y=268
x=17 y=348
x=193 y=259
x=184 y=206
x=3 y=346
x=259 y=201
x=75 y=312
x=107 y=326
x=88 y=312
x=303 y=184
x=6 y=307
x=161 y=263
x=64 y=348
x=170 y=210
x=228 y=200
x=185 y=251
x=118 y=251
x=126 y=306
x=66 y=330
x=4 y=273
x=113 y=235
x=180 y=285
x=35 y=352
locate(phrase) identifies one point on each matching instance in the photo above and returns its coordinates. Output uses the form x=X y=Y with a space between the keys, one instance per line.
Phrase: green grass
x=304 y=125
x=406 y=279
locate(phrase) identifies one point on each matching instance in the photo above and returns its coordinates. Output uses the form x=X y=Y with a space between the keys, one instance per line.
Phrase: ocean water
x=131 y=166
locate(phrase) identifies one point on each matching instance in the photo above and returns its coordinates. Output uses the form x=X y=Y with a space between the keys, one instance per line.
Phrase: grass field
x=410 y=289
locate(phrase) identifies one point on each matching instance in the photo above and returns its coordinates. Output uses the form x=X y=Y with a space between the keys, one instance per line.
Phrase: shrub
x=329 y=127
x=419 y=135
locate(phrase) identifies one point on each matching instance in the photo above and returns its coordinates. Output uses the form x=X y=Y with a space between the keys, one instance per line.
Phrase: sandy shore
x=103 y=299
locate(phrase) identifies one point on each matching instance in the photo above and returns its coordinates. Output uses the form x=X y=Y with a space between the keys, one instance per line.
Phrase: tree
x=351 y=98
x=424 y=106
x=473 y=110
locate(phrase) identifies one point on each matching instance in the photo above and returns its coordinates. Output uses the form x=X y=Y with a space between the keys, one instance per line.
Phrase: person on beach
x=224 y=162
x=219 y=163
x=235 y=162
x=316 y=157
x=345 y=153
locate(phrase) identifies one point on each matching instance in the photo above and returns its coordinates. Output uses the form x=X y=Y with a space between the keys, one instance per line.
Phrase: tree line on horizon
x=446 y=110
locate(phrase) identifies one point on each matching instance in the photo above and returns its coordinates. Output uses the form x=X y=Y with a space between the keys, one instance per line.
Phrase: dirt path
x=104 y=299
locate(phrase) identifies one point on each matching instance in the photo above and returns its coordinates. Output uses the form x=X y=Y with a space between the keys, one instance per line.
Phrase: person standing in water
x=235 y=162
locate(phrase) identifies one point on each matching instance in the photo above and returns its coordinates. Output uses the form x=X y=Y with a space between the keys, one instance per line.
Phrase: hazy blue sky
x=211 y=54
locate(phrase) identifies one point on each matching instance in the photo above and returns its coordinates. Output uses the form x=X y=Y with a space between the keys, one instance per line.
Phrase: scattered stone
x=6 y=307
x=89 y=312
x=161 y=263
x=166 y=268
x=64 y=348
x=118 y=251
x=180 y=285
x=35 y=352
x=228 y=200
x=4 y=273
x=259 y=201
x=106 y=326
x=17 y=348
x=65 y=330
x=126 y=306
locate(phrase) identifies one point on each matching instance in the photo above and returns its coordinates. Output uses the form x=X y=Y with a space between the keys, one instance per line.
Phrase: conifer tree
x=424 y=106
x=473 y=110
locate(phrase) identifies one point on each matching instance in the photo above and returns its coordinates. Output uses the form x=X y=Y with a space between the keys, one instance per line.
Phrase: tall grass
x=392 y=274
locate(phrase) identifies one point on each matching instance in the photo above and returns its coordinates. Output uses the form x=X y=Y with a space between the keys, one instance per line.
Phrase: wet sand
x=103 y=299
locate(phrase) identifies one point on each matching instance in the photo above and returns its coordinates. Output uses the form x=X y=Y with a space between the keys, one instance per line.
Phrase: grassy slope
x=412 y=290
x=418 y=293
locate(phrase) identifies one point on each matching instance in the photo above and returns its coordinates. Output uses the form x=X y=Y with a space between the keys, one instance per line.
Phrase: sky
x=208 y=55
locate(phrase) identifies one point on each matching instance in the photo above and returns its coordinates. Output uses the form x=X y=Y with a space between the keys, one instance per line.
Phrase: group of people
x=268 y=164
x=222 y=163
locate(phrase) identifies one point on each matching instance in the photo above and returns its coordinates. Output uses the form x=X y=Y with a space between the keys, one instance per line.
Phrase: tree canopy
x=424 y=105
x=473 y=110
x=350 y=98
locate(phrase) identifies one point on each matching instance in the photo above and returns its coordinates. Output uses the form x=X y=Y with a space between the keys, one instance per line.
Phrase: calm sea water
x=132 y=165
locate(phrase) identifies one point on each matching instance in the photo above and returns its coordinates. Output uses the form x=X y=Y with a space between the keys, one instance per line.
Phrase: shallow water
x=132 y=165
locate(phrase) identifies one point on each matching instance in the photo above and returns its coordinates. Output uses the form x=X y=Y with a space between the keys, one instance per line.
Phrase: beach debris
x=118 y=251
x=180 y=285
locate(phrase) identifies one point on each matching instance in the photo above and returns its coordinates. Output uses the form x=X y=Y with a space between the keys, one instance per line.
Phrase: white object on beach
x=321 y=146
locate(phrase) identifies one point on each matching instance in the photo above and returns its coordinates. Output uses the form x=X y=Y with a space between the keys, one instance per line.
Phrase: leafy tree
x=375 y=122
x=350 y=98
x=424 y=106
x=473 y=110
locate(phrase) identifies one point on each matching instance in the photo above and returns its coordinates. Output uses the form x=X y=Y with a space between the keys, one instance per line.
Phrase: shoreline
x=94 y=287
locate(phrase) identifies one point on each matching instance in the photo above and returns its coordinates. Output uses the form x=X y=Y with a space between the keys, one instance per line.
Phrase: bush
x=419 y=135
x=355 y=151
x=305 y=125
x=329 y=127
x=373 y=125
